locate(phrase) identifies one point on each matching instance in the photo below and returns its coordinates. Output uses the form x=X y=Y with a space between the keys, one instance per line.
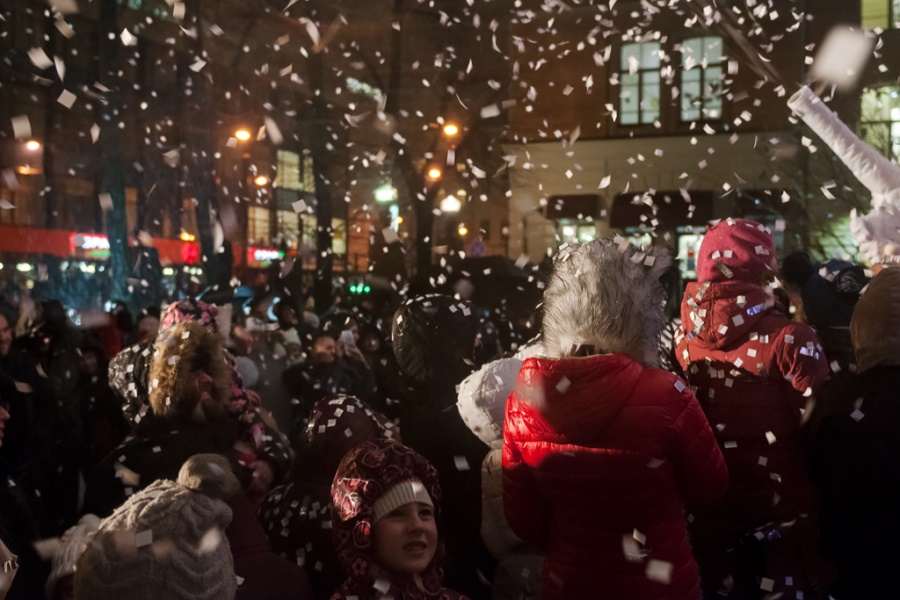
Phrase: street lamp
x=242 y=134
x=261 y=180
x=450 y=130
x=434 y=173
x=451 y=204
x=461 y=230
x=386 y=193
x=32 y=145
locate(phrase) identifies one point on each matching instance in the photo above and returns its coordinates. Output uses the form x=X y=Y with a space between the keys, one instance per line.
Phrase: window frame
x=642 y=84
x=703 y=69
x=891 y=146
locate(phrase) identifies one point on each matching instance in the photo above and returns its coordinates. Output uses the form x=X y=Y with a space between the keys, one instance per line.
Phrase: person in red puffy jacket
x=600 y=449
x=754 y=371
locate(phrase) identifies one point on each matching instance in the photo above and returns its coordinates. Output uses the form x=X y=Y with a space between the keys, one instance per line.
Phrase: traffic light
x=360 y=289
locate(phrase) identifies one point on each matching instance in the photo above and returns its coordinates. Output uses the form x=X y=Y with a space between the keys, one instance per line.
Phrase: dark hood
x=336 y=425
x=434 y=341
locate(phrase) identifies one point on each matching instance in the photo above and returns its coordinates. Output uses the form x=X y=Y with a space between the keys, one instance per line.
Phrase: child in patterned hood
x=386 y=513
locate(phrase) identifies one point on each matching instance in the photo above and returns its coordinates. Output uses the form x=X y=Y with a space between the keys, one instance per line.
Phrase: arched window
x=879 y=120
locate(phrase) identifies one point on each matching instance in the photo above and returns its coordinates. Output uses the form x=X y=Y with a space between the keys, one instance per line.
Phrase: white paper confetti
x=21 y=127
x=66 y=98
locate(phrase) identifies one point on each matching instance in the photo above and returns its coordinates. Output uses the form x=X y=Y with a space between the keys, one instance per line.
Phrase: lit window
x=338 y=235
x=882 y=14
x=309 y=176
x=288 y=170
x=879 y=121
x=639 y=84
x=288 y=227
x=701 y=79
x=259 y=226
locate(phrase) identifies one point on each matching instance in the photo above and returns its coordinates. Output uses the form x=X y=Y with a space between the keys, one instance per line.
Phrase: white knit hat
x=401 y=494
x=166 y=541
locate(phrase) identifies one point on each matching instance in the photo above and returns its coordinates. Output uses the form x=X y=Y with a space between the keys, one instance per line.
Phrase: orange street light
x=242 y=134
x=462 y=230
x=434 y=173
x=450 y=129
x=261 y=180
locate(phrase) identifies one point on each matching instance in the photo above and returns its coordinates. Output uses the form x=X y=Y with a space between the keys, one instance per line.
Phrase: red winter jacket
x=752 y=367
x=598 y=455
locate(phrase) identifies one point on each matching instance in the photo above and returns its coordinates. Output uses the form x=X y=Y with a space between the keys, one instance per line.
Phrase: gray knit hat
x=166 y=541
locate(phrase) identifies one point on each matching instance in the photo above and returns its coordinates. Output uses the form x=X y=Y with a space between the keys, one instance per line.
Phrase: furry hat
x=605 y=297
x=71 y=547
x=875 y=326
x=736 y=250
x=180 y=350
x=166 y=541
x=368 y=472
x=878 y=233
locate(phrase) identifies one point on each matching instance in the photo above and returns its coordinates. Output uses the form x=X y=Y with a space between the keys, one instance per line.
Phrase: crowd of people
x=739 y=445
x=205 y=453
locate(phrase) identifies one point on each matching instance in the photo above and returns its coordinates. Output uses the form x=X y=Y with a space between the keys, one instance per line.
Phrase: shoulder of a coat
x=662 y=384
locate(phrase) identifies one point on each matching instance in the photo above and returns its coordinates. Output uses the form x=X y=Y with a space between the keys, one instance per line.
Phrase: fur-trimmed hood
x=877 y=233
x=179 y=350
x=605 y=297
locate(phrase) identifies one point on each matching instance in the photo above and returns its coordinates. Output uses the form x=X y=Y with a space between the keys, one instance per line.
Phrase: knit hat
x=71 y=547
x=367 y=473
x=401 y=494
x=736 y=250
x=875 y=326
x=166 y=541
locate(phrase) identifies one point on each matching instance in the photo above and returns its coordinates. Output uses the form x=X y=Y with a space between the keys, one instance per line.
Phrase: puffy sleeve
x=699 y=464
x=525 y=507
x=800 y=359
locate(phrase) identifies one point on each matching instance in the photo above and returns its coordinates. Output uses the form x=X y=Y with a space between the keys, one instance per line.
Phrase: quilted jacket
x=599 y=455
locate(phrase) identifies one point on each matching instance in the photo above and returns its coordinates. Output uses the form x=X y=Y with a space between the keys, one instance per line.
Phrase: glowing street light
x=450 y=130
x=242 y=134
x=451 y=204
x=386 y=193
x=434 y=173
x=261 y=180
x=462 y=230
x=32 y=145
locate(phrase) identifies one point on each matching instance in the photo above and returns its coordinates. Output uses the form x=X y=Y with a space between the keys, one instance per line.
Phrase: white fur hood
x=605 y=294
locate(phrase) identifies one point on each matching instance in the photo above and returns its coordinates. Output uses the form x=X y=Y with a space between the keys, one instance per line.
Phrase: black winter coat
x=854 y=448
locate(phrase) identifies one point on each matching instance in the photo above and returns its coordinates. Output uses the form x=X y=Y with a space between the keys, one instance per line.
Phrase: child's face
x=406 y=539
